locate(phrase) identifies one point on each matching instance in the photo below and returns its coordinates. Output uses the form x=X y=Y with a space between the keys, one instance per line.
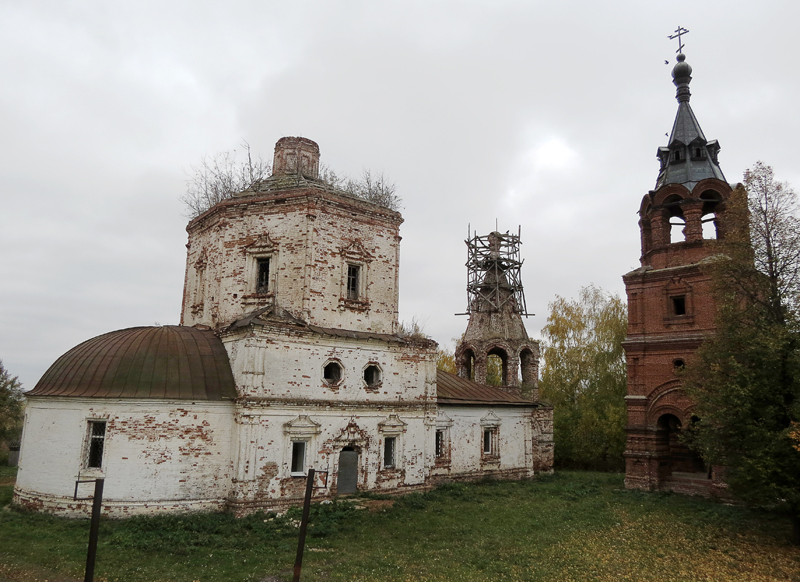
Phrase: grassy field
x=571 y=526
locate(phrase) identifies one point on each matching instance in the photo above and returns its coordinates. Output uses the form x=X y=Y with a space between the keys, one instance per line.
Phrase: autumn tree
x=584 y=378
x=445 y=360
x=11 y=406
x=746 y=378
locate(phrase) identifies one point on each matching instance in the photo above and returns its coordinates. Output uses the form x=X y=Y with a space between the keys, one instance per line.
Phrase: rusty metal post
x=93 y=530
x=301 y=543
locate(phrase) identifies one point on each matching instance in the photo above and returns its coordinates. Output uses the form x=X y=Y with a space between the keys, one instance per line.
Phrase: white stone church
x=287 y=357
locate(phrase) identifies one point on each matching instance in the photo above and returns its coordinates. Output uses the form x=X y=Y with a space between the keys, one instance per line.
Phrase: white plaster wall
x=156 y=453
x=274 y=363
x=515 y=435
x=309 y=230
x=265 y=449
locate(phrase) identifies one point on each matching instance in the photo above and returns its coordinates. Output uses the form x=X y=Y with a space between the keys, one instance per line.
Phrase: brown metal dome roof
x=171 y=362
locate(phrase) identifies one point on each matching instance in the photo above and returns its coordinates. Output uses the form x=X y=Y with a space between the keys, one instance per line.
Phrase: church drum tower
x=670 y=303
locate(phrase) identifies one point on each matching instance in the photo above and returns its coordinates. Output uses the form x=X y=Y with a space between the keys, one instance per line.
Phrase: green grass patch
x=7 y=472
x=570 y=526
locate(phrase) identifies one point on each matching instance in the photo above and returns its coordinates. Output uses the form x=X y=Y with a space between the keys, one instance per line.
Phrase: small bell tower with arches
x=496 y=305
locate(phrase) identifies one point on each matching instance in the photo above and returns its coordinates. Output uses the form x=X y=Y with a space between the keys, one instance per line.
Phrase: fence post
x=301 y=543
x=94 y=529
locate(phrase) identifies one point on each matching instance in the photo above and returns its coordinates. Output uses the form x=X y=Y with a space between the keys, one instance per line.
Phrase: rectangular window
x=353 y=273
x=487 y=441
x=97 y=438
x=679 y=305
x=439 y=444
x=298 y=457
x=262 y=282
x=389 y=452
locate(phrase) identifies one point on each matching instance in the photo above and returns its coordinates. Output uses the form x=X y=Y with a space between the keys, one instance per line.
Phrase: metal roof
x=451 y=389
x=686 y=137
x=169 y=362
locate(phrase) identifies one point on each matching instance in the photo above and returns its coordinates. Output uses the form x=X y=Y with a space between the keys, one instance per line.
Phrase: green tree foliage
x=494 y=370
x=11 y=405
x=584 y=378
x=746 y=379
x=445 y=360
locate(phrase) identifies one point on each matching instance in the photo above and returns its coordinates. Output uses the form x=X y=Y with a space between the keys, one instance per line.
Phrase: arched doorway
x=674 y=452
x=347 y=479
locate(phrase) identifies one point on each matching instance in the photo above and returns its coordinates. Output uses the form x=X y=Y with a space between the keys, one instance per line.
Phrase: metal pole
x=301 y=543
x=96 y=508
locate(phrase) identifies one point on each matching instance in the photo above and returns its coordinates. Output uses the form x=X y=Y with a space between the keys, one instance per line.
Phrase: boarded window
x=96 y=444
x=262 y=282
x=389 y=452
x=353 y=275
x=298 y=457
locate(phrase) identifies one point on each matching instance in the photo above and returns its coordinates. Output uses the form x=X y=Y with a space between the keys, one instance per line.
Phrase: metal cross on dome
x=678 y=32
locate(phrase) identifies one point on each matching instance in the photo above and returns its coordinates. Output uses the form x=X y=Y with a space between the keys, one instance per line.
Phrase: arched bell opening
x=711 y=201
x=675 y=219
x=497 y=367
x=466 y=364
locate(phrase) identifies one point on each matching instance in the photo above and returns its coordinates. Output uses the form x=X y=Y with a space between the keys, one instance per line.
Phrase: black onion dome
x=682 y=71
x=169 y=362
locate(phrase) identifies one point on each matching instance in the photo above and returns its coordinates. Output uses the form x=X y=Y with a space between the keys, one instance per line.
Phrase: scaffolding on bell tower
x=493 y=266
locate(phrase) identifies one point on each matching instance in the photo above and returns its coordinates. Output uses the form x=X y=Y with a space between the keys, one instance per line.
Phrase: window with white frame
x=442 y=439
x=490 y=437
x=391 y=430
x=389 y=452
x=300 y=434
x=260 y=269
x=262 y=275
x=298 y=458
x=488 y=441
x=440 y=443
x=95 y=445
x=355 y=273
x=353 y=281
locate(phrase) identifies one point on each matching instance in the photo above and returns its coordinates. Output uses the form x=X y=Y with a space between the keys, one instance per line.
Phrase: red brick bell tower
x=670 y=303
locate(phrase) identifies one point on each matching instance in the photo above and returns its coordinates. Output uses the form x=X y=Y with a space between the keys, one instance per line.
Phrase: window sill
x=298 y=474
x=354 y=304
x=257 y=298
x=93 y=473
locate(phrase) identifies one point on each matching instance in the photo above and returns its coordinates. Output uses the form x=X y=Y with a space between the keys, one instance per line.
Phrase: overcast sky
x=540 y=114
